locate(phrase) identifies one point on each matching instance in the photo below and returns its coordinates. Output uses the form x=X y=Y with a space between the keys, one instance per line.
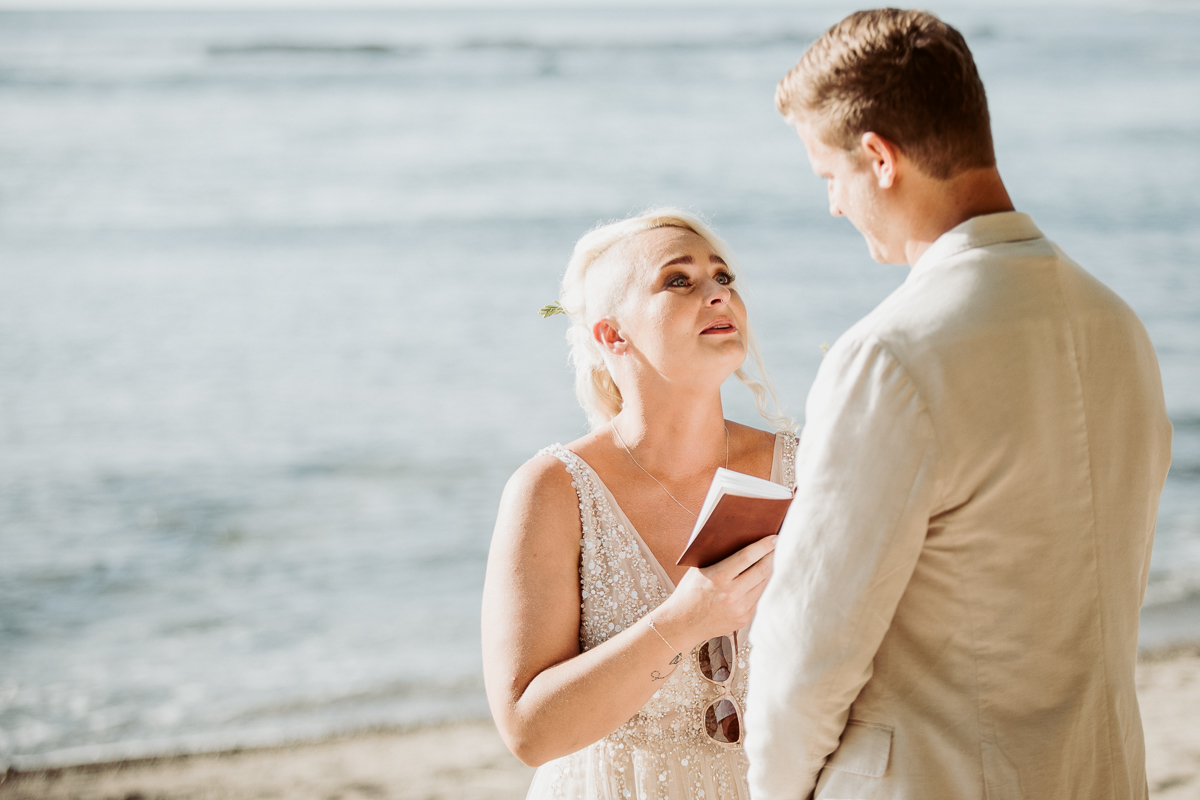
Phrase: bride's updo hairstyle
x=593 y=288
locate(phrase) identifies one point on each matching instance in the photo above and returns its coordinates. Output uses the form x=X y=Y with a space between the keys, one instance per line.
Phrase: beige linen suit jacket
x=954 y=608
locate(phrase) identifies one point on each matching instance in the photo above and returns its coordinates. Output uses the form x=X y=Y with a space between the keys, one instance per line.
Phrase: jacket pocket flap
x=864 y=749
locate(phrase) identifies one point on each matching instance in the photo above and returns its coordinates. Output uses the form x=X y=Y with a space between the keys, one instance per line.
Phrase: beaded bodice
x=621 y=582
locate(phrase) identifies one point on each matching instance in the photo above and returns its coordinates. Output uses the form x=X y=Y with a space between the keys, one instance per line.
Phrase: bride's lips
x=719 y=326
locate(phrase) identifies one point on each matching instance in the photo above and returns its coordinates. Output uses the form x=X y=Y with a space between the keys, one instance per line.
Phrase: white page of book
x=726 y=481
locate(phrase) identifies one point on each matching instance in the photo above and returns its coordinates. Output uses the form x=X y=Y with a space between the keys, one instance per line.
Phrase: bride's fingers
x=742 y=560
x=756 y=577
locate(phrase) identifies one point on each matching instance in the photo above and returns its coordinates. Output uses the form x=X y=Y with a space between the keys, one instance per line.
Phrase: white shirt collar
x=984 y=231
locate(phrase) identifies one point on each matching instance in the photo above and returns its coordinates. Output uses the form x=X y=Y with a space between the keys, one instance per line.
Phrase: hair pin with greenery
x=551 y=310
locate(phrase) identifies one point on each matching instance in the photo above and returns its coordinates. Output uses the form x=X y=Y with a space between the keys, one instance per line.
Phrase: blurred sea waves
x=268 y=336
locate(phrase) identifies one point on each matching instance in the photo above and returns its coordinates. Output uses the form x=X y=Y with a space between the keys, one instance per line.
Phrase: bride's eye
x=678 y=281
x=725 y=278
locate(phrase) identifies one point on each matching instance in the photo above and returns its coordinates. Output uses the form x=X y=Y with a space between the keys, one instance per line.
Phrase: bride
x=619 y=673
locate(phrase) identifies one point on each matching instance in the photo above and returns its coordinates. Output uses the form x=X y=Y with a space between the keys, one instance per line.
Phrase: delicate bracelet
x=678 y=654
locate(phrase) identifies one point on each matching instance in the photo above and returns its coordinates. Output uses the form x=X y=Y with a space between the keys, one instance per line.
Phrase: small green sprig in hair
x=551 y=310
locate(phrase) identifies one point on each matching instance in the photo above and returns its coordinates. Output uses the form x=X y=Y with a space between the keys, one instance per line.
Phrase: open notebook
x=739 y=509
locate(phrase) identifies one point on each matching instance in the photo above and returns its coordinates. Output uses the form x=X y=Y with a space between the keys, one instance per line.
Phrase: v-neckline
x=623 y=519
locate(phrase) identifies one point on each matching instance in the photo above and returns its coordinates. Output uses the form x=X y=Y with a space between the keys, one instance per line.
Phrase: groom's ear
x=605 y=332
x=883 y=157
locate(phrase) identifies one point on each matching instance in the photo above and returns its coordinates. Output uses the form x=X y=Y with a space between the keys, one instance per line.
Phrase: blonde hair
x=591 y=289
x=904 y=75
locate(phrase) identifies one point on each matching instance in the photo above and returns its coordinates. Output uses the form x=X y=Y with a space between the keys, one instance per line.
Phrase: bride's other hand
x=719 y=599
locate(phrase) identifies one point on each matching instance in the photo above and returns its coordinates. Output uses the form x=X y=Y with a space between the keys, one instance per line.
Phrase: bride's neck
x=669 y=437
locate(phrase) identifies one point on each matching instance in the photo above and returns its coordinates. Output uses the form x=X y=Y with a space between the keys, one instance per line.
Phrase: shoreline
x=460 y=759
x=1167 y=630
x=467 y=760
x=141 y=752
x=1169 y=625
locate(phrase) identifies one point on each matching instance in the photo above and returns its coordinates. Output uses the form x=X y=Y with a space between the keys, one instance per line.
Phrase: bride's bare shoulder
x=751 y=449
x=539 y=506
x=751 y=439
x=594 y=448
x=541 y=478
x=544 y=483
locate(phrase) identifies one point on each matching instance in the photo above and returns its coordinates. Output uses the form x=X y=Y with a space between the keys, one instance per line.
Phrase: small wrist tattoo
x=674 y=662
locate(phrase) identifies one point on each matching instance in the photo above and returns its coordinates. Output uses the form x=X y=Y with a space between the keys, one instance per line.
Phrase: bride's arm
x=547 y=698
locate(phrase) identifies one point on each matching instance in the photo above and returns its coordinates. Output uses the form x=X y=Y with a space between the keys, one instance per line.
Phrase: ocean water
x=268 y=341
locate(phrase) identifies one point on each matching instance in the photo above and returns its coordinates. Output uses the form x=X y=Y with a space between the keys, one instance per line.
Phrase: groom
x=954 y=607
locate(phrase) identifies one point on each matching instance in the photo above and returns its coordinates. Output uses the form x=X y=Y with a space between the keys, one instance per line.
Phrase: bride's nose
x=718 y=293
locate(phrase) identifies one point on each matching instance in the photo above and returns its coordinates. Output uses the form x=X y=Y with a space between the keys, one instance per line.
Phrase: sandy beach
x=463 y=761
x=1169 y=693
x=467 y=761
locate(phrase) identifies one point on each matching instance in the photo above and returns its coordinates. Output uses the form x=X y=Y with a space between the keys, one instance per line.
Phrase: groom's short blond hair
x=904 y=75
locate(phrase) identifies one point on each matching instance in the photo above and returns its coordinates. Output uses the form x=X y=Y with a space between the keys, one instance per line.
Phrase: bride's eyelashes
x=683 y=281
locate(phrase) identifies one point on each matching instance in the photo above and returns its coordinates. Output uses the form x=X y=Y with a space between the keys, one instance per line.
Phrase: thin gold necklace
x=656 y=480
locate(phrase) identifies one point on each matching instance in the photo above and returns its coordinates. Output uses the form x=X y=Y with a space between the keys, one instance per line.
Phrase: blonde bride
x=616 y=672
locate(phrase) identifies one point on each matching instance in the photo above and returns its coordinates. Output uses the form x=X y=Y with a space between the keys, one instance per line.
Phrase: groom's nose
x=834 y=208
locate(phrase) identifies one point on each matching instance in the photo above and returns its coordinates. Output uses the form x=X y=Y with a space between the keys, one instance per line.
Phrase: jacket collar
x=984 y=231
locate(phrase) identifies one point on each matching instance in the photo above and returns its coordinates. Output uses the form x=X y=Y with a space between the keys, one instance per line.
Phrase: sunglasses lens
x=716 y=659
x=721 y=722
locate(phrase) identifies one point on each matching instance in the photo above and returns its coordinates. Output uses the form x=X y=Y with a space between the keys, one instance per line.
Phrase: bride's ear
x=606 y=333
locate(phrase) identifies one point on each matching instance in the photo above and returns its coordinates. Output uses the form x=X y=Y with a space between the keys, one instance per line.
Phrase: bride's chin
x=722 y=366
x=731 y=349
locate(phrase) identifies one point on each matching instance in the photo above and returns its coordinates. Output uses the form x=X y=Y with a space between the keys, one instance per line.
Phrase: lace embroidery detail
x=790 y=443
x=662 y=751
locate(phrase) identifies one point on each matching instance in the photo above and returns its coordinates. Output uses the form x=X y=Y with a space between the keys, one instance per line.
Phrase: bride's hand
x=719 y=599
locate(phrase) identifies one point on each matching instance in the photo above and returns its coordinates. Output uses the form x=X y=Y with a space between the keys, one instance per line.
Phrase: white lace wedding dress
x=662 y=753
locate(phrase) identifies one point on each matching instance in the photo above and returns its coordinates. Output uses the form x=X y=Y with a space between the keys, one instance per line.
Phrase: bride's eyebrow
x=676 y=261
x=714 y=258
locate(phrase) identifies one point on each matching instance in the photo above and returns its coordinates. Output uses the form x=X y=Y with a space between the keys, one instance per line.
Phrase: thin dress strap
x=580 y=479
x=789 y=441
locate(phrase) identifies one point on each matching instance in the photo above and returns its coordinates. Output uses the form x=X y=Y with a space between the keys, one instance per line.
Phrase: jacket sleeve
x=865 y=476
